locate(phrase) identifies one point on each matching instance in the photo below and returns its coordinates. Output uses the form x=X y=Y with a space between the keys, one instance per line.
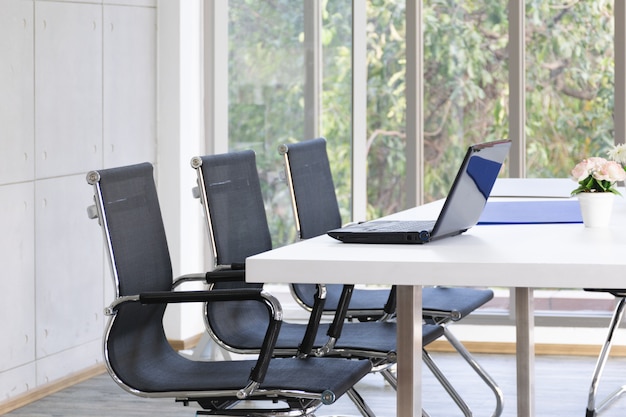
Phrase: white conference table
x=519 y=256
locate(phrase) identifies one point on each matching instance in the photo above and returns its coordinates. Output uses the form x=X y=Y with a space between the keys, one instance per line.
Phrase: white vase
x=596 y=208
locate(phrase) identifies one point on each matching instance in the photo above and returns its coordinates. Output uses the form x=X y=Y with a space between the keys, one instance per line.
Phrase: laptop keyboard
x=399 y=226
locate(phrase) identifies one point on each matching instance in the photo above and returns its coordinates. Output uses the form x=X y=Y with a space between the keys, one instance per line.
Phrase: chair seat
x=362 y=300
x=170 y=372
x=617 y=292
x=357 y=336
x=459 y=300
x=319 y=371
x=380 y=336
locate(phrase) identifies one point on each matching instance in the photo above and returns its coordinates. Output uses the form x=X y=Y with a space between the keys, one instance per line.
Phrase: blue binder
x=531 y=212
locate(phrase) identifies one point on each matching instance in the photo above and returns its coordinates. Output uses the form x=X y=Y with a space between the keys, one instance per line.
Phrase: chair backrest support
x=314 y=201
x=230 y=192
x=134 y=227
x=233 y=203
x=311 y=183
x=130 y=215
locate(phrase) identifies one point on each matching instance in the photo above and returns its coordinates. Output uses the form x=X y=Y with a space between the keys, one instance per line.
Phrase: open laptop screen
x=471 y=188
x=461 y=210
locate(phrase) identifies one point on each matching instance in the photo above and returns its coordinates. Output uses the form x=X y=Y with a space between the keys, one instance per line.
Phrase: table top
x=512 y=255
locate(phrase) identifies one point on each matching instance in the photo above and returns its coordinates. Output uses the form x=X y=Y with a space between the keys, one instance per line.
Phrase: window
x=569 y=84
x=266 y=67
x=569 y=107
x=290 y=79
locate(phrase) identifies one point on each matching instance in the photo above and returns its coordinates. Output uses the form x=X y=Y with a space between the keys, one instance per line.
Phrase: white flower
x=597 y=175
x=618 y=153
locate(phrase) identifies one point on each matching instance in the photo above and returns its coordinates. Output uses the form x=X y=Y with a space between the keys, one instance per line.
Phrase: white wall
x=180 y=138
x=78 y=91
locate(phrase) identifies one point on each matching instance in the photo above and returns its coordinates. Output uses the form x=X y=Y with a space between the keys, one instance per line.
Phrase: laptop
x=461 y=210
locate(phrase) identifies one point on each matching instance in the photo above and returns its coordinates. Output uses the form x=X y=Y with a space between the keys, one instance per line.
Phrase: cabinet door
x=16 y=87
x=129 y=85
x=69 y=265
x=17 y=247
x=68 y=88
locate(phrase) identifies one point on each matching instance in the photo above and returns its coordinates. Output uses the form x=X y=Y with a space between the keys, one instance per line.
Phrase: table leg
x=525 y=351
x=409 y=348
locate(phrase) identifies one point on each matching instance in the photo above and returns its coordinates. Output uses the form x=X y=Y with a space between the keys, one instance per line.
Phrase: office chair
x=137 y=354
x=618 y=313
x=230 y=193
x=316 y=211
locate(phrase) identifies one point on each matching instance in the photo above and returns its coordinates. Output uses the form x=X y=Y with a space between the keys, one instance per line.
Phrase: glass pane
x=569 y=105
x=465 y=84
x=268 y=56
x=337 y=97
x=465 y=92
x=386 y=107
x=266 y=87
x=569 y=84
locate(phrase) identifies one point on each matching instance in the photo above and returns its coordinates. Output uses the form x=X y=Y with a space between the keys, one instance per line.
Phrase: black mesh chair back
x=137 y=354
x=238 y=228
x=235 y=223
x=316 y=211
x=237 y=213
x=230 y=192
x=315 y=202
x=142 y=263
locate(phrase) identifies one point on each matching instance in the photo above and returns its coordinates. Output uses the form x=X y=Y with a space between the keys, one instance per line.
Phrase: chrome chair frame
x=434 y=310
x=336 y=344
x=593 y=406
x=146 y=308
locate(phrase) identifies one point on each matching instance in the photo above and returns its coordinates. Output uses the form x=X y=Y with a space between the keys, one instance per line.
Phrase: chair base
x=445 y=383
x=286 y=411
x=480 y=371
x=615 y=395
x=592 y=410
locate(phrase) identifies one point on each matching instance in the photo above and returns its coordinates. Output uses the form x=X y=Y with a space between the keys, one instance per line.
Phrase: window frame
x=216 y=108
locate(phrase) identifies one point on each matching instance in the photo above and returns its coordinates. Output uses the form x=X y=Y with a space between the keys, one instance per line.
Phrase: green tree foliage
x=570 y=83
x=569 y=89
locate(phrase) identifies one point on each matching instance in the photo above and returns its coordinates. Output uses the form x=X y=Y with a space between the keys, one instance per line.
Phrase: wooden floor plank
x=562 y=386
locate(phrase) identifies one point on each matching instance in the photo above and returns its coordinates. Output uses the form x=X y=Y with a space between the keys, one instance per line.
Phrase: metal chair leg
x=390 y=378
x=479 y=370
x=592 y=410
x=360 y=403
x=428 y=361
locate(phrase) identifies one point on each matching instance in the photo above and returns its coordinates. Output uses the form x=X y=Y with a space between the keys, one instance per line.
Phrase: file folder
x=531 y=212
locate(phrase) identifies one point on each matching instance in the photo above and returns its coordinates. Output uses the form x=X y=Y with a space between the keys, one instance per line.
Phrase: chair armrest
x=390 y=305
x=336 y=327
x=188 y=278
x=272 y=304
x=174 y=297
x=334 y=331
x=225 y=275
x=237 y=273
x=313 y=325
x=440 y=316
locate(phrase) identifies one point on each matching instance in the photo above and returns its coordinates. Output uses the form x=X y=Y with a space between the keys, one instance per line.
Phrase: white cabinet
x=129 y=85
x=16 y=84
x=69 y=293
x=77 y=92
x=68 y=88
x=18 y=275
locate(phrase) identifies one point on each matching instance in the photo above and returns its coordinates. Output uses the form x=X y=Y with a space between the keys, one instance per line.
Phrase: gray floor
x=561 y=389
